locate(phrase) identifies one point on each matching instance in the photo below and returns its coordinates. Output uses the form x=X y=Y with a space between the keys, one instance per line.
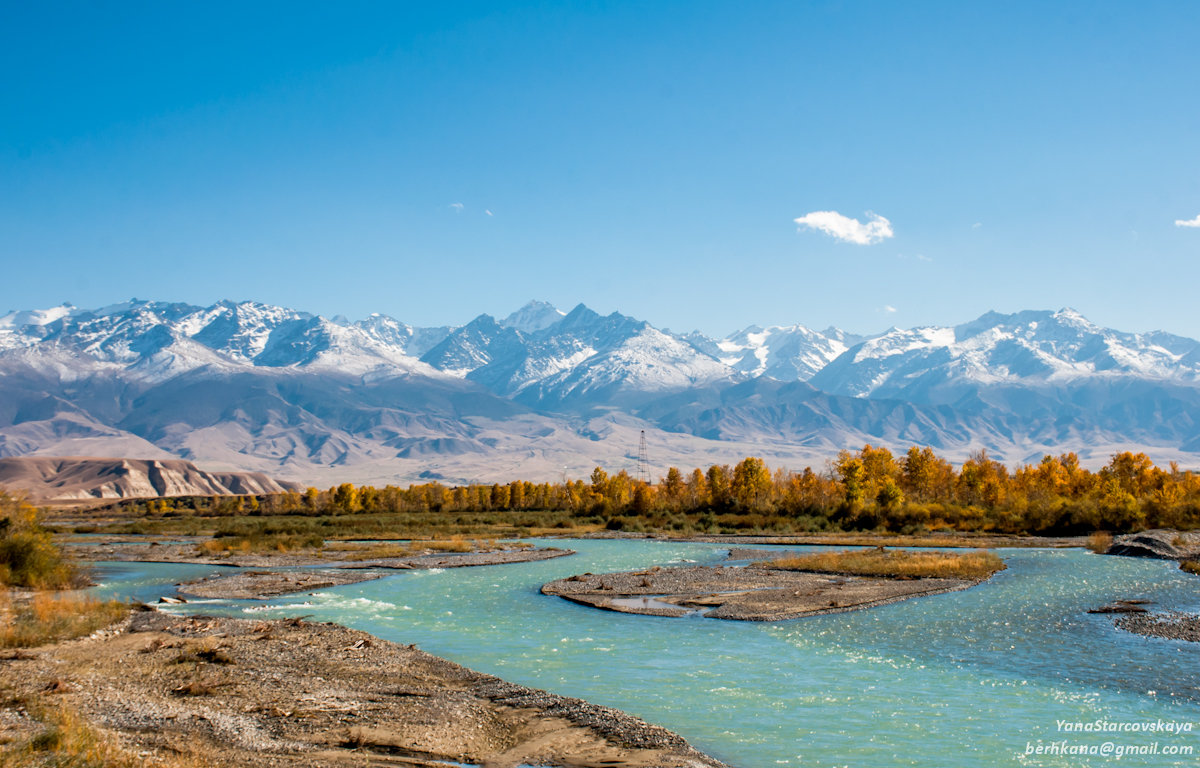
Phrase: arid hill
x=81 y=478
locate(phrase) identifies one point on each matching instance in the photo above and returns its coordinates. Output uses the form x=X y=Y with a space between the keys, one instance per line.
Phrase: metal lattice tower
x=643 y=469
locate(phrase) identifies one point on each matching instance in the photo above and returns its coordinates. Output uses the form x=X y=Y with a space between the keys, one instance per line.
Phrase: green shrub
x=28 y=556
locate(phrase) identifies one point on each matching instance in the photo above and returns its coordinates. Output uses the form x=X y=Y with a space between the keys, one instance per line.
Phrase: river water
x=974 y=678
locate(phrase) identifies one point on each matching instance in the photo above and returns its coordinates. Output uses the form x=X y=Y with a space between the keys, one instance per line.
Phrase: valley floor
x=216 y=691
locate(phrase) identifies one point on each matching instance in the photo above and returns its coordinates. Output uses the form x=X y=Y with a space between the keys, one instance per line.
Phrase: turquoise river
x=976 y=678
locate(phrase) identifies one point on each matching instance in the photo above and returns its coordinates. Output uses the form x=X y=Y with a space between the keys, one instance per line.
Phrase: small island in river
x=780 y=588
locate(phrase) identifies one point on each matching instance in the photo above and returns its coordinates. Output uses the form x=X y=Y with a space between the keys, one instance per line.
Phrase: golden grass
x=280 y=542
x=456 y=544
x=355 y=552
x=978 y=564
x=1099 y=542
x=1190 y=566
x=67 y=739
x=48 y=618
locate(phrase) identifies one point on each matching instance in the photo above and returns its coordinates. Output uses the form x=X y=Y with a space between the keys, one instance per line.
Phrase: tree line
x=868 y=489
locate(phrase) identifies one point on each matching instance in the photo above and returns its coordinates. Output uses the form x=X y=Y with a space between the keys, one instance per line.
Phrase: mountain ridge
x=298 y=395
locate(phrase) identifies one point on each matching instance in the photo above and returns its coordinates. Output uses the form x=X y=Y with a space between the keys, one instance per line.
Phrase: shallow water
x=968 y=678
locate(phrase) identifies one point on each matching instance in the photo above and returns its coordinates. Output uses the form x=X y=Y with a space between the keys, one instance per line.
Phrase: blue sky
x=436 y=160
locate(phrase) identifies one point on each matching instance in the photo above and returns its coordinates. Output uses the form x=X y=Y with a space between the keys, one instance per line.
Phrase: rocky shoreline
x=255 y=693
x=1167 y=625
x=742 y=594
x=264 y=585
x=155 y=549
x=1159 y=544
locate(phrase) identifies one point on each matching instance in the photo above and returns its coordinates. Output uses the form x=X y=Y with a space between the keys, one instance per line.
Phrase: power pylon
x=643 y=470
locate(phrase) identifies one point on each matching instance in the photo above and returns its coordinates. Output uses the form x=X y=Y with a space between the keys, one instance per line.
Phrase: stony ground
x=249 y=693
x=748 y=594
x=158 y=549
x=1169 y=625
x=263 y=585
x=1160 y=544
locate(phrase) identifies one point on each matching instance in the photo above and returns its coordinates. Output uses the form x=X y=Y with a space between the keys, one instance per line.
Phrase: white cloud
x=888 y=309
x=487 y=211
x=457 y=207
x=1188 y=222
x=848 y=230
x=977 y=225
x=923 y=257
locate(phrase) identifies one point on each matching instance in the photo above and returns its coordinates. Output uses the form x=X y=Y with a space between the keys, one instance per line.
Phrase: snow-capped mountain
x=156 y=341
x=787 y=353
x=580 y=358
x=533 y=317
x=1027 y=349
x=243 y=385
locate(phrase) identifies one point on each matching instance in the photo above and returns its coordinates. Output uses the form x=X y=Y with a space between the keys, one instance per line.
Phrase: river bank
x=265 y=693
x=742 y=594
x=941 y=540
x=1167 y=625
x=409 y=555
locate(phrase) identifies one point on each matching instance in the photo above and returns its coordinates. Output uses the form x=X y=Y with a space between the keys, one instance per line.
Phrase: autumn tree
x=673 y=488
x=718 y=485
x=751 y=483
x=345 y=499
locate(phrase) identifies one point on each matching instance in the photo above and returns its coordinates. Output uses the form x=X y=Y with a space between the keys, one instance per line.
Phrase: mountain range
x=544 y=393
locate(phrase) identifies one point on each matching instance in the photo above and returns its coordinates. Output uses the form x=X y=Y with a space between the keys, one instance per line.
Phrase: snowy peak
x=35 y=317
x=1025 y=348
x=158 y=340
x=787 y=353
x=534 y=316
x=476 y=345
x=580 y=357
x=546 y=354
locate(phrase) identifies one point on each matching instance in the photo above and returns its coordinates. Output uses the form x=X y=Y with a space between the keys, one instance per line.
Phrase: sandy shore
x=253 y=693
x=747 y=594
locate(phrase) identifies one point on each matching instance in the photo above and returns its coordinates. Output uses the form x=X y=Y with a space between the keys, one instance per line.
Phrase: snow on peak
x=785 y=352
x=1022 y=348
x=36 y=317
x=534 y=316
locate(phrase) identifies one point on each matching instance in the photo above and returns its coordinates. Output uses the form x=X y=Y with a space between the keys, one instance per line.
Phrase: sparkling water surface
x=972 y=678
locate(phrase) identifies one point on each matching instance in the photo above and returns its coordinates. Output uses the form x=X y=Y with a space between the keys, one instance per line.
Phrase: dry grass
x=1099 y=542
x=978 y=564
x=1190 y=566
x=282 y=542
x=48 y=618
x=354 y=552
x=452 y=545
x=382 y=551
x=65 y=739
